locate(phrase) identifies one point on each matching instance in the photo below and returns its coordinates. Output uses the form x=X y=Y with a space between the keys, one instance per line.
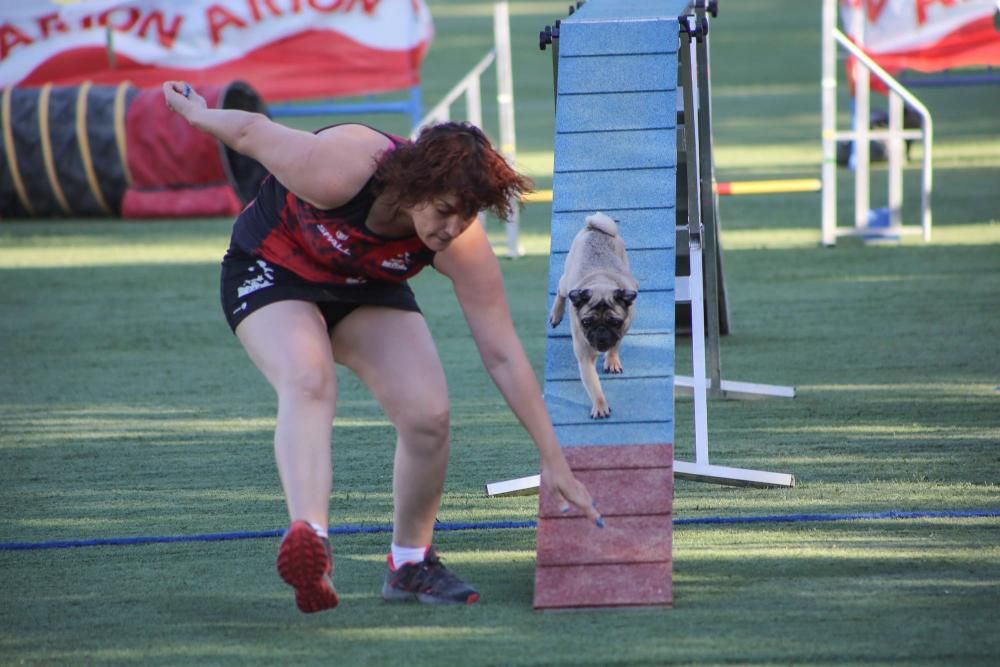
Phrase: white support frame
x=696 y=133
x=470 y=86
x=861 y=134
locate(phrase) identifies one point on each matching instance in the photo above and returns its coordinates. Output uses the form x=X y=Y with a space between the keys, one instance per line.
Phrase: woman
x=316 y=275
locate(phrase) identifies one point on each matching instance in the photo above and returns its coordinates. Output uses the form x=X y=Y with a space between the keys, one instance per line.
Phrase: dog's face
x=602 y=314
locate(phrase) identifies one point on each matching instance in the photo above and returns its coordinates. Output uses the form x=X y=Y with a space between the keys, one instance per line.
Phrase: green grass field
x=127 y=410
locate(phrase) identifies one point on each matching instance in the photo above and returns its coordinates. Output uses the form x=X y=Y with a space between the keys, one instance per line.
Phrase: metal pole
x=474 y=102
x=505 y=107
x=894 y=146
x=714 y=286
x=862 y=113
x=828 y=86
x=688 y=55
x=505 y=80
x=927 y=184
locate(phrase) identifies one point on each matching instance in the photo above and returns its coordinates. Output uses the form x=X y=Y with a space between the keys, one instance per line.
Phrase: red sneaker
x=305 y=562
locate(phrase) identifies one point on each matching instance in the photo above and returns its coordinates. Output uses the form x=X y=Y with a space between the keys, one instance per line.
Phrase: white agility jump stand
x=470 y=87
x=700 y=287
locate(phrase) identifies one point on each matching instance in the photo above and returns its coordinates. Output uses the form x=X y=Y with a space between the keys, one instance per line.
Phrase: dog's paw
x=600 y=410
x=613 y=363
x=557 y=311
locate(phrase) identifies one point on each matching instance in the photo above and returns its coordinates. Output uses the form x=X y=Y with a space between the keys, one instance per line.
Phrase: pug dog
x=599 y=284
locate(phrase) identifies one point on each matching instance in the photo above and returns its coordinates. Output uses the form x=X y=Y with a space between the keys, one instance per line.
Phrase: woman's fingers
x=579 y=497
x=181 y=97
x=182 y=88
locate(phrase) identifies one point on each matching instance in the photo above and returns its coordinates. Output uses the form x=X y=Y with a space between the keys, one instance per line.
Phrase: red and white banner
x=285 y=49
x=924 y=35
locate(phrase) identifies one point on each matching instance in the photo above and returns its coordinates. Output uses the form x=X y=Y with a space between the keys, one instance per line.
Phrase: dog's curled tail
x=602 y=223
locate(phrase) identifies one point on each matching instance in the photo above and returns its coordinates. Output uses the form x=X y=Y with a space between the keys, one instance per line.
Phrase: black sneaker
x=429 y=582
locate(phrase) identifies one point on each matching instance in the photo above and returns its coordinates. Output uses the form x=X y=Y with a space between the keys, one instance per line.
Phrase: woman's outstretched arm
x=326 y=169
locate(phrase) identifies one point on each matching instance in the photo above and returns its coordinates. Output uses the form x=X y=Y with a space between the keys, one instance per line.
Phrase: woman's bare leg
x=288 y=342
x=393 y=354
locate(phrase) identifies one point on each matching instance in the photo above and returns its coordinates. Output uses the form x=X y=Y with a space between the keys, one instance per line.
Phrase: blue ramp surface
x=615 y=152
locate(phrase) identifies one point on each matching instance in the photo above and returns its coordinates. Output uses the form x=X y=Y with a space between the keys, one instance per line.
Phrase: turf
x=127 y=409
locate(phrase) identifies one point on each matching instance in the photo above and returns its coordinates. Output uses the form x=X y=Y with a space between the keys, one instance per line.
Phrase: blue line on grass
x=493 y=525
x=795 y=518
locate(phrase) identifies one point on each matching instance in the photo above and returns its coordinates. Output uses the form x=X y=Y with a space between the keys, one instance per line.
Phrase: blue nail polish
x=600 y=522
x=564 y=510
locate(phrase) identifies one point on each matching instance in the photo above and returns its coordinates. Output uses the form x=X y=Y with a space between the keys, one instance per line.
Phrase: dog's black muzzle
x=602 y=338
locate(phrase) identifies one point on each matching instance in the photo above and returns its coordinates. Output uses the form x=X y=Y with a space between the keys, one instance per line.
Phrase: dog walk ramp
x=615 y=152
x=606 y=153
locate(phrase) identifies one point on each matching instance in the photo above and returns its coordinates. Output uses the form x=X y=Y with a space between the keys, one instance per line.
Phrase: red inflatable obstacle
x=118 y=151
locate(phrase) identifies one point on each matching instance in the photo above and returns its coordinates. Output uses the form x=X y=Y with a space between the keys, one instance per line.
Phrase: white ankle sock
x=320 y=530
x=404 y=555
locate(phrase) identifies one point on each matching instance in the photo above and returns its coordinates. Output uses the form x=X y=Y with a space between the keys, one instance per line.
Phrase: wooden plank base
x=616 y=585
x=627 y=563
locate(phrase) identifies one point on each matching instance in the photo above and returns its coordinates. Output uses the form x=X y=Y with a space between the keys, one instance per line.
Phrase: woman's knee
x=425 y=430
x=308 y=383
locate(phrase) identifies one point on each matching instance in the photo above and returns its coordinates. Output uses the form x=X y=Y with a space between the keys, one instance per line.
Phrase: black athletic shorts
x=250 y=283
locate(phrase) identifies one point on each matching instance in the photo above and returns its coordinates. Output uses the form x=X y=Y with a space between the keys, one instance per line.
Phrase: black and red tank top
x=326 y=246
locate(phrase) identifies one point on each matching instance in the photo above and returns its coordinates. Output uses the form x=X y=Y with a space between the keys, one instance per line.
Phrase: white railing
x=861 y=134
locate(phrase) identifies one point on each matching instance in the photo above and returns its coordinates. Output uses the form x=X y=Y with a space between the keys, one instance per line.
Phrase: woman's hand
x=183 y=99
x=570 y=492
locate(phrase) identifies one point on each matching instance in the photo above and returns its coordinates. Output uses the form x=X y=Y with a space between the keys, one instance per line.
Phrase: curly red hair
x=453 y=158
